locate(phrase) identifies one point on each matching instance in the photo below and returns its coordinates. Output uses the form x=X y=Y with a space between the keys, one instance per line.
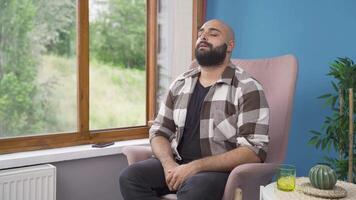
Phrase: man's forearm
x=161 y=148
x=226 y=161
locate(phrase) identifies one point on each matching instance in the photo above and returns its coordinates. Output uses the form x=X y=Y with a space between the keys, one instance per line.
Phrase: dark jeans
x=145 y=181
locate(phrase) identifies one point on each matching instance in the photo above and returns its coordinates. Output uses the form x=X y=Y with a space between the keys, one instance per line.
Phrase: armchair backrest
x=278 y=77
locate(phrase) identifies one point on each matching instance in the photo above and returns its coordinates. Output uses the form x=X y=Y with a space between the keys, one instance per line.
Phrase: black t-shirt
x=189 y=146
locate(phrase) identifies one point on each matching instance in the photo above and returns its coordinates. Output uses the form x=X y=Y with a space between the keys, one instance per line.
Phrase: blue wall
x=316 y=32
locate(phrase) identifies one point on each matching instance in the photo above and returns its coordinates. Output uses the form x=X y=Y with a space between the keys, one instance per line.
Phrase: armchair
x=278 y=77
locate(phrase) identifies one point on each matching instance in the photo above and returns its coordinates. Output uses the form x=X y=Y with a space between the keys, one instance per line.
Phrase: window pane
x=37 y=67
x=117 y=63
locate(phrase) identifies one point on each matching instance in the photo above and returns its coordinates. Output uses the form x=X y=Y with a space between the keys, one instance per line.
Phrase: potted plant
x=338 y=128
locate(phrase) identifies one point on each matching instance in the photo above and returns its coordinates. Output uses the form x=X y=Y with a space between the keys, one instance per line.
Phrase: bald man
x=215 y=117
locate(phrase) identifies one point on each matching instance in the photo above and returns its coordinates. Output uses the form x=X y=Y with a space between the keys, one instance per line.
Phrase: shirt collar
x=226 y=76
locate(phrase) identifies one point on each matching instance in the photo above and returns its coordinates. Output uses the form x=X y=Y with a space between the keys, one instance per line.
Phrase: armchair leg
x=238 y=194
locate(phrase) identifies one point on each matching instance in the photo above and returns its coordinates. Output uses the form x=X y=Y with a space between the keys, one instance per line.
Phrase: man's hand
x=162 y=150
x=168 y=167
x=179 y=174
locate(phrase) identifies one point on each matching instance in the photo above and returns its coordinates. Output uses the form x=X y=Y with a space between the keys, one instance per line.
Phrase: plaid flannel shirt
x=234 y=113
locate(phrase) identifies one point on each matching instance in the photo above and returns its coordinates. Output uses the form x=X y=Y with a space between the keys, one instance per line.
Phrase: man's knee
x=199 y=182
x=129 y=174
x=141 y=172
x=124 y=176
x=203 y=186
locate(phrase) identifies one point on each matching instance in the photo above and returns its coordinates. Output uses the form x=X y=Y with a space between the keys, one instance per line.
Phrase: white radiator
x=28 y=183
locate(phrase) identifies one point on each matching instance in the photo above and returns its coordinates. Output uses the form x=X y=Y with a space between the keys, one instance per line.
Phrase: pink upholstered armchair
x=278 y=76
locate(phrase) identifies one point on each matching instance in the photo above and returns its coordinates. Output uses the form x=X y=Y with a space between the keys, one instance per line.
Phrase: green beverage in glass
x=286 y=177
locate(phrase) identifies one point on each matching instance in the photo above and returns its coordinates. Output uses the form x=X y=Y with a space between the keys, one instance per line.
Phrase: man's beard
x=212 y=57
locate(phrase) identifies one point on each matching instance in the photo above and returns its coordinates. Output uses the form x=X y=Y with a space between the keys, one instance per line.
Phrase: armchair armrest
x=137 y=153
x=249 y=177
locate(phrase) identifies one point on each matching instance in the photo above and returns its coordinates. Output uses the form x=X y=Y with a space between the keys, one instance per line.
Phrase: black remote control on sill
x=102 y=144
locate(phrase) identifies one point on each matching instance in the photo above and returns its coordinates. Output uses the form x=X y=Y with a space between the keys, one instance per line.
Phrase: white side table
x=270 y=191
x=267 y=192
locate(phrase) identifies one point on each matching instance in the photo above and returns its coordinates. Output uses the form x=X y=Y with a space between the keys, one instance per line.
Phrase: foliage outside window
x=32 y=40
x=117 y=63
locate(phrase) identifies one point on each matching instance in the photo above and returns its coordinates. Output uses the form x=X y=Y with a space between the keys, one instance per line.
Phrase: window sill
x=63 y=154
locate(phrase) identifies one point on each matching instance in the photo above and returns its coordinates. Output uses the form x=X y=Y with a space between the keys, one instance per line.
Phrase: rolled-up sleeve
x=253 y=119
x=164 y=125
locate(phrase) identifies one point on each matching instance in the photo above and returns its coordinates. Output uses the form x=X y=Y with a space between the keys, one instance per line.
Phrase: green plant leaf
x=318 y=144
x=315 y=132
x=313 y=140
x=324 y=143
x=335 y=87
x=324 y=96
x=329 y=146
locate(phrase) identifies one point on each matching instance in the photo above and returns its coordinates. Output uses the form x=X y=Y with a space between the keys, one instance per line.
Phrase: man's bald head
x=226 y=29
x=214 y=44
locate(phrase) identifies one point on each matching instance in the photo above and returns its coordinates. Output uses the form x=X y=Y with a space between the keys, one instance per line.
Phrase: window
x=64 y=79
x=117 y=63
x=60 y=88
x=37 y=68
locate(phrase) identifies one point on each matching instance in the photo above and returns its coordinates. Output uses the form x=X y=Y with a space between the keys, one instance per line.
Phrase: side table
x=270 y=191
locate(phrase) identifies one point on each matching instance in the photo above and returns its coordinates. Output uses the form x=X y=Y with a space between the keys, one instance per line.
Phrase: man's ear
x=230 y=46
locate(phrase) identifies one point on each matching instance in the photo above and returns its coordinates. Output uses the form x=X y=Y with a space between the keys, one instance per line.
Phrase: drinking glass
x=286 y=177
